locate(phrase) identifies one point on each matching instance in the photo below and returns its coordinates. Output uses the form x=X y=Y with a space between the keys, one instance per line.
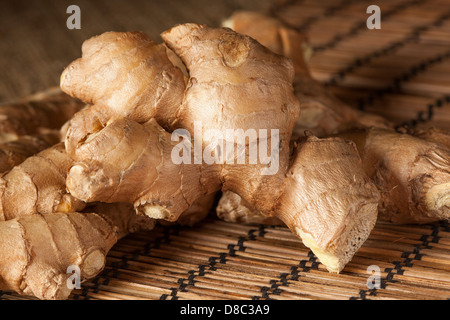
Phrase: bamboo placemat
x=401 y=72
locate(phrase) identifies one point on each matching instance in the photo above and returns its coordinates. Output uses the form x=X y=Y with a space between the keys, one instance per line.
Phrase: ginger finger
x=334 y=201
x=129 y=162
x=38 y=185
x=412 y=174
x=129 y=75
x=36 y=251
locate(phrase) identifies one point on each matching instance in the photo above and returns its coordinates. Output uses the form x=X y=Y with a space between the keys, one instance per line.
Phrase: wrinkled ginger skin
x=127 y=75
x=410 y=170
x=412 y=174
x=130 y=162
x=36 y=251
x=235 y=83
x=38 y=185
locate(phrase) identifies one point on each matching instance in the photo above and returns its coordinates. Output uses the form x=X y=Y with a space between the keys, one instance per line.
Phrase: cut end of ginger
x=93 y=263
x=328 y=259
x=156 y=211
x=438 y=199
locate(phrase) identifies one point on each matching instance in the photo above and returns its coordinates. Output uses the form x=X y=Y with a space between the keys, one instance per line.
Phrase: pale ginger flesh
x=234 y=83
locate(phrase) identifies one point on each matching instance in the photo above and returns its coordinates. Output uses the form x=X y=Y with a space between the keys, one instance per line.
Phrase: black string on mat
x=305 y=25
x=111 y=271
x=361 y=25
x=413 y=36
x=409 y=257
x=304 y=265
x=233 y=248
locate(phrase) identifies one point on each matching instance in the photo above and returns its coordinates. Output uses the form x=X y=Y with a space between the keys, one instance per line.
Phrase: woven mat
x=400 y=71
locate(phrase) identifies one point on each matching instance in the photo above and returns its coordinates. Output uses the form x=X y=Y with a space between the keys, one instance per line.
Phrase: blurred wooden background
x=36 y=45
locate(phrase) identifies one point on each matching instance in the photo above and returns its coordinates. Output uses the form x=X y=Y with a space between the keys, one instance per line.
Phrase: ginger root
x=39 y=185
x=233 y=83
x=36 y=251
x=410 y=171
x=412 y=174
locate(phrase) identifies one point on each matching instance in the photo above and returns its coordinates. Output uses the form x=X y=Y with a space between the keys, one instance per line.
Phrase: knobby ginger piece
x=122 y=74
x=234 y=83
x=38 y=185
x=411 y=174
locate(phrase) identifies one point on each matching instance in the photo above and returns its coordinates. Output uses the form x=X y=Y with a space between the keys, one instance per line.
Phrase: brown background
x=36 y=45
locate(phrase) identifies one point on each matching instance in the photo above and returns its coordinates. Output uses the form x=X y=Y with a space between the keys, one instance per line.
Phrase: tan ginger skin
x=44 y=236
x=412 y=172
x=39 y=185
x=37 y=250
x=234 y=82
x=48 y=214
